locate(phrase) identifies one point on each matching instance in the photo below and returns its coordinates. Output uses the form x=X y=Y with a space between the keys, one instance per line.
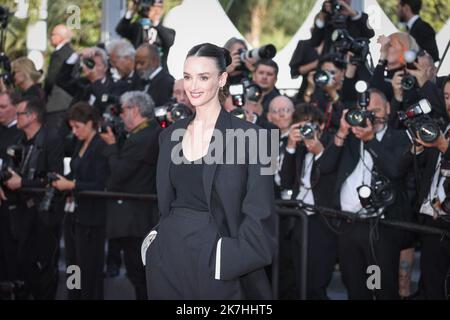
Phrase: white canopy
x=195 y=22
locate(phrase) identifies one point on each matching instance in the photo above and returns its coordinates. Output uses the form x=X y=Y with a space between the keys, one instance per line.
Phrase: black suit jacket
x=160 y=87
x=241 y=201
x=425 y=37
x=90 y=173
x=57 y=59
x=322 y=182
x=387 y=160
x=135 y=33
x=133 y=170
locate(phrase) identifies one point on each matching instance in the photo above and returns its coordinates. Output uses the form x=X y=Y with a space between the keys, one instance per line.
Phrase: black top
x=187 y=180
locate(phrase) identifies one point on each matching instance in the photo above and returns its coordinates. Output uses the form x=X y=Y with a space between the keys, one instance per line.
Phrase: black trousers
x=8 y=248
x=357 y=252
x=131 y=247
x=286 y=272
x=85 y=248
x=322 y=256
x=434 y=262
x=37 y=252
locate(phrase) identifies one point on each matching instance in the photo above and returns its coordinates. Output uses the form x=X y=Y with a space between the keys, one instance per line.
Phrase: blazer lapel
x=223 y=123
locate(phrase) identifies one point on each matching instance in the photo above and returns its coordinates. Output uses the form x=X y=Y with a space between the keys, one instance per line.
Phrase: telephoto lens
x=357 y=117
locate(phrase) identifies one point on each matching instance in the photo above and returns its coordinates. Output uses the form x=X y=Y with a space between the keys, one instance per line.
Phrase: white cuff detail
x=218 y=251
x=146 y=243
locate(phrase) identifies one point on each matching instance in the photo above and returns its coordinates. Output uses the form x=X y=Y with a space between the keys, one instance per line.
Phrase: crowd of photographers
x=358 y=137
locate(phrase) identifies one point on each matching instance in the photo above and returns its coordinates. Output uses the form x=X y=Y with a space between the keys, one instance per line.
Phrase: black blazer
x=241 y=201
x=387 y=159
x=57 y=59
x=322 y=182
x=133 y=170
x=160 y=87
x=134 y=33
x=90 y=173
x=425 y=37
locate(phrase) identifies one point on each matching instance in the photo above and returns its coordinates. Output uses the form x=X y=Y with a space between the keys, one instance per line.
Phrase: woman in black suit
x=216 y=230
x=84 y=226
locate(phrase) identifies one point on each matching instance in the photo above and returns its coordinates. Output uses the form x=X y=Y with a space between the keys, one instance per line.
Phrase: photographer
x=10 y=135
x=84 y=225
x=301 y=171
x=85 y=77
x=339 y=15
x=432 y=161
x=325 y=89
x=155 y=80
x=122 y=57
x=408 y=12
x=265 y=76
x=148 y=29
x=239 y=69
x=366 y=155
x=27 y=78
x=37 y=231
x=133 y=168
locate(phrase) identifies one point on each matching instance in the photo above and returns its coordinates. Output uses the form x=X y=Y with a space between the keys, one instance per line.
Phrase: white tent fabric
x=442 y=38
x=195 y=22
x=377 y=19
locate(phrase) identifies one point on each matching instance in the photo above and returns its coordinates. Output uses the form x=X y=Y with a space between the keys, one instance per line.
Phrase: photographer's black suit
x=356 y=28
x=135 y=33
x=133 y=170
x=354 y=248
x=8 y=243
x=435 y=257
x=57 y=59
x=84 y=229
x=132 y=83
x=160 y=87
x=38 y=233
x=322 y=242
x=241 y=211
x=425 y=37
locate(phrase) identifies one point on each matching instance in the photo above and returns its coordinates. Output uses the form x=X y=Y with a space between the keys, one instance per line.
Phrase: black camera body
x=335 y=18
x=14 y=160
x=408 y=82
x=323 y=78
x=418 y=123
x=49 y=195
x=445 y=172
x=358 y=117
x=177 y=111
x=5 y=175
x=143 y=7
x=376 y=197
x=345 y=43
x=308 y=130
x=111 y=117
x=245 y=91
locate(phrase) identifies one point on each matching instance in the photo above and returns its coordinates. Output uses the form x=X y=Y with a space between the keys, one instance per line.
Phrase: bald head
x=60 y=34
x=280 y=112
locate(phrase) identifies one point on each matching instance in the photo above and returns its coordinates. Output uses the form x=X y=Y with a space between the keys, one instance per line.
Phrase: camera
x=418 y=123
x=143 y=6
x=335 y=18
x=358 y=117
x=4 y=16
x=5 y=175
x=15 y=154
x=308 y=130
x=50 y=192
x=267 y=51
x=345 y=43
x=376 y=197
x=245 y=91
x=5 y=69
x=111 y=118
x=323 y=78
x=177 y=112
x=408 y=81
x=88 y=62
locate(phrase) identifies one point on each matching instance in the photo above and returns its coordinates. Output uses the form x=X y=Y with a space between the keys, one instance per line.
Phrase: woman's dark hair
x=308 y=112
x=220 y=55
x=83 y=112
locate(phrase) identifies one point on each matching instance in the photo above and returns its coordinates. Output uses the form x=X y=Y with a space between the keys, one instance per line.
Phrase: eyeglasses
x=22 y=113
x=282 y=110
